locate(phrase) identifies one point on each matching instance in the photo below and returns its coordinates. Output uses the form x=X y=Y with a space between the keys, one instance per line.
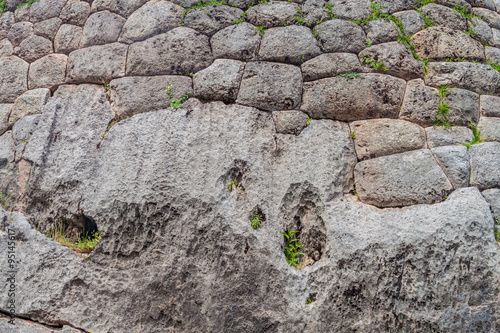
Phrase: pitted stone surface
x=179 y=51
x=138 y=94
x=351 y=9
x=4 y=117
x=20 y=31
x=220 y=81
x=48 y=72
x=454 y=160
x=339 y=98
x=48 y=28
x=485 y=165
x=34 y=48
x=68 y=38
x=102 y=28
x=381 y=137
x=75 y=12
x=45 y=9
x=341 y=36
x=239 y=41
x=30 y=103
x=391 y=6
x=445 y=16
x=155 y=17
x=24 y=128
x=270 y=86
x=97 y=63
x=123 y=8
x=440 y=43
x=411 y=20
x=6 y=48
x=492 y=196
x=291 y=44
x=314 y=11
x=381 y=31
x=440 y=136
x=489 y=16
x=482 y=31
x=290 y=121
x=272 y=14
x=13 y=73
x=492 y=53
x=490 y=106
x=209 y=20
x=490 y=128
x=401 y=180
x=330 y=64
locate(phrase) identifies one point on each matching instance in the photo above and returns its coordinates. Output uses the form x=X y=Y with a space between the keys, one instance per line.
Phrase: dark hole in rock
x=256 y=217
x=311 y=298
x=235 y=177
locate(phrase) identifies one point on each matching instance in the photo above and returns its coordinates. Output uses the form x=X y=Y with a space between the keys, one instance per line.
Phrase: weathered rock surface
x=454 y=160
x=338 y=98
x=444 y=16
x=29 y=103
x=380 y=137
x=400 y=180
x=24 y=128
x=330 y=64
x=492 y=53
x=6 y=48
x=341 y=36
x=102 y=28
x=239 y=41
x=411 y=20
x=440 y=43
x=490 y=106
x=492 y=196
x=272 y=14
x=220 y=81
x=485 y=165
x=48 y=28
x=13 y=73
x=391 y=6
x=121 y=7
x=491 y=17
x=270 y=86
x=137 y=94
x=179 y=51
x=68 y=38
x=290 y=121
x=20 y=31
x=490 y=128
x=48 y=72
x=4 y=117
x=45 y=9
x=209 y=20
x=440 y=136
x=34 y=48
x=75 y=12
x=381 y=31
x=350 y=10
x=291 y=44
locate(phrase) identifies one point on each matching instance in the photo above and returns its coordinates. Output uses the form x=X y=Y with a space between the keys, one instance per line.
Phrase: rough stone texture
x=155 y=17
x=411 y=20
x=397 y=58
x=490 y=17
x=97 y=63
x=29 y=103
x=13 y=73
x=485 y=165
x=179 y=51
x=270 y=86
x=314 y=11
x=440 y=136
x=440 y=43
x=24 y=326
x=24 y=128
x=68 y=38
x=48 y=28
x=490 y=128
x=489 y=4
x=48 y=72
x=338 y=98
x=4 y=117
x=22 y=13
x=6 y=21
x=137 y=94
x=208 y=20
x=391 y=6
x=381 y=31
x=496 y=36
x=102 y=28
x=341 y=36
x=483 y=32
x=220 y=81
x=291 y=44
x=401 y=180
x=492 y=53
x=290 y=121
x=492 y=196
x=445 y=16
x=45 y=9
x=351 y=9
x=454 y=160
x=330 y=64
x=479 y=78
x=75 y=12
x=272 y=14
x=380 y=137
x=239 y=41
x=121 y=7
x=490 y=106
x=20 y=31
x=6 y=48
x=34 y=48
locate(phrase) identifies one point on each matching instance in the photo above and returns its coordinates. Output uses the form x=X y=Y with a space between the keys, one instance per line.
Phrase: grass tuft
x=176 y=103
x=292 y=250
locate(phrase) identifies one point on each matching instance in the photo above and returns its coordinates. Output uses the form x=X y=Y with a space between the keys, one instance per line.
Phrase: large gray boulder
x=351 y=10
x=485 y=165
x=411 y=20
x=438 y=136
x=45 y=9
x=20 y=31
x=490 y=128
x=210 y=19
x=179 y=51
x=13 y=74
x=444 y=16
x=270 y=86
x=75 y=12
x=401 y=180
x=490 y=106
x=123 y=8
x=102 y=28
x=6 y=48
x=292 y=44
x=492 y=196
x=48 y=28
x=48 y=72
x=290 y=121
x=30 y=103
x=491 y=17
x=4 y=117
x=341 y=36
x=273 y=14
x=339 y=99
x=239 y=41
x=330 y=64
x=381 y=31
x=220 y=81
x=68 y=38
x=455 y=163
x=34 y=48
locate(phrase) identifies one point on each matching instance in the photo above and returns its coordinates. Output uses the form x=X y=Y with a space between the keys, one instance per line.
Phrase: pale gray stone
x=20 y=31
x=210 y=19
x=48 y=28
x=339 y=99
x=22 y=13
x=13 y=73
x=440 y=43
x=351 y=9
x=490 y=128
x=75 y=12
x=179 y=51
x=401 y=180
x=122 y=7
x=454 y=160
x=439 y=136
x=392 y=6
x=6 y=21
x=97 y=63
x=490 y=106
x=48 y=72
x=270 y=86
x=4 y=117
x=380 y=137
x=381 y=31
x=273 y=14
x=6 y=48
x=102 y=28
x=492 y=54
x=330 y=64
x=45 y=9
x=314 y=11
x=24 y=128
x=496 y=36
x=492 y=196
x=26 y=326
x=485 y=165
x=482 y=31
x=341 y=36
x=30 y=103
x=444 y=16
x=239 y=41
x=34 y=48
x=68 y=38
x=489 y=16
x=155 y=17
x=290 y=121
x=411 y=20
x=220 y=81
x=489 y=4
x=7 y=150
x=292 y=44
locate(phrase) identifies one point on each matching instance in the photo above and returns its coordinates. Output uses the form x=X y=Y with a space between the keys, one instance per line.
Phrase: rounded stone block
x=341 y=36
x=102 y=28
x=239 y=41
x=330 y=64
x=272 y=14
x=220 y=81
x=485 y=165
x=13 y=82
x=290 y=121
x=208 y=20
x=48 y=72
